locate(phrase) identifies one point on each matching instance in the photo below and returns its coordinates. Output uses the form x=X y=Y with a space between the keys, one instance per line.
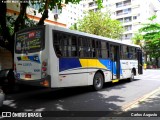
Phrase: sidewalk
x=152 y=103
x=149 y=105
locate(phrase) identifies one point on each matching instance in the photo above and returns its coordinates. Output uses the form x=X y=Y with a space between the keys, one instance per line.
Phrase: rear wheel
x=132 y=77
x=98 y=81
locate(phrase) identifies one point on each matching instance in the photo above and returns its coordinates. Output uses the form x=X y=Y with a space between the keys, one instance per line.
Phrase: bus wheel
x=132 y=77
x=98 y=81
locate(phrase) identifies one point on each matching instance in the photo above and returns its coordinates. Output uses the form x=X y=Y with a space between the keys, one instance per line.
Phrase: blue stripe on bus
x=68 y=63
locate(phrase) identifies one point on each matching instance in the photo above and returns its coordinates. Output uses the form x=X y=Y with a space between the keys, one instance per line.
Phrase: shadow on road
x=66 y=99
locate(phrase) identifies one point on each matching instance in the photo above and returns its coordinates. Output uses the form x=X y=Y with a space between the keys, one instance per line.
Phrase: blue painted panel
x=106 y=63
x=109 y=64
x=68 y=63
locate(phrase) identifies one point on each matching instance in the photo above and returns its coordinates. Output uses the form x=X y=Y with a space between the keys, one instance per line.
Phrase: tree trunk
x=45 y=14
x=157 y=61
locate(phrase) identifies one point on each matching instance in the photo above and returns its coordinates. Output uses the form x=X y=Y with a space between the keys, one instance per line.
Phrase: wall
x=5 y=59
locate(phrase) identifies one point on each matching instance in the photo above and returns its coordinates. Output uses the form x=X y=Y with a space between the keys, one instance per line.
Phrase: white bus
x=57 y=57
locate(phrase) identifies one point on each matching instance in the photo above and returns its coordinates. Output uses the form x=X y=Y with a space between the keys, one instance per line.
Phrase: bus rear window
x=30 y=41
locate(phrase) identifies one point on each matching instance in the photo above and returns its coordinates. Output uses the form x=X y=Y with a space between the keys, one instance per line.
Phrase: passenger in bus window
x=58 y=53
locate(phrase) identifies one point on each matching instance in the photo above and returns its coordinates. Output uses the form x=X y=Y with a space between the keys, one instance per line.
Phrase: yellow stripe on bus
x=24 y=58
x=91 y=63
x=116 y=80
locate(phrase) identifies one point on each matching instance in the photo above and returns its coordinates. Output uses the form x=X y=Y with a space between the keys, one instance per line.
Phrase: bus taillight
x=44 y=63
x=15 y=67
x=44 y=69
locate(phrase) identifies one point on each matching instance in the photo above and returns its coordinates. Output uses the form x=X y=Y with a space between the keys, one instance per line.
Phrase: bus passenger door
x=140 y=62
x=115 y=60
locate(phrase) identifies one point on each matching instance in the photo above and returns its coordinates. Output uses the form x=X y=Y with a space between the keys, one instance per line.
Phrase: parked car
x=7 y=80
x=7 y=77
x=2 y=97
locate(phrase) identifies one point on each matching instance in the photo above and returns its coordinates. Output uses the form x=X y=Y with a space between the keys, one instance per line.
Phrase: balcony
x=123 y=12
x=124 y=3
x=127 y=19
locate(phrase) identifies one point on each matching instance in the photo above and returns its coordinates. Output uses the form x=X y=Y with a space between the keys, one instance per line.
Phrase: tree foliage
x=99 y=23
x=137 y=39
x=151 y=35
x=9 y=25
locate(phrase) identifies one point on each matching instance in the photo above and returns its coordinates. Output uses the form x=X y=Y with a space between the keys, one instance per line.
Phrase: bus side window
x=112 y=52
x=98 y=49
x=58 y=52
x=57 y=45
x=74 y=46
x=104 y=50
x=93 y=48
x=80 y=44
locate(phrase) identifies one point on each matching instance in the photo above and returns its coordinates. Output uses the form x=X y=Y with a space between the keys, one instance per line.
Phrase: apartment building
x=132 y=14
x=74 y=12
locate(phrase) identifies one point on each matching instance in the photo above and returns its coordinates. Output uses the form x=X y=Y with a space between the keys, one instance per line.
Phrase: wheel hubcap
x=98 y=82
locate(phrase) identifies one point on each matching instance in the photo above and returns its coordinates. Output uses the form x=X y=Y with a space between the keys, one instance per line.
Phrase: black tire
x=132 y=77
x=98 y=81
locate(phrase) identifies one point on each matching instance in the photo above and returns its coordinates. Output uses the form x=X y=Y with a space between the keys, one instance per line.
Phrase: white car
x=2 y=97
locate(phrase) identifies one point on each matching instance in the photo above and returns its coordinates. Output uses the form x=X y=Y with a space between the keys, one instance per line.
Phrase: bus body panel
x=53 y=62
x=28 y=66
x=71 y=70
x=127 y=66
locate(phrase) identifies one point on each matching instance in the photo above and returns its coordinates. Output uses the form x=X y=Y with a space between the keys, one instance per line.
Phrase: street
x=111 y=97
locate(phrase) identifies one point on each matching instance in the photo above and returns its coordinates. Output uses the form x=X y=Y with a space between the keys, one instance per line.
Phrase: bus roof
x=89 y=35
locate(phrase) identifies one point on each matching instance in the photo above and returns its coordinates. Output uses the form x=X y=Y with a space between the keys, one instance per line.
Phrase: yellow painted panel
x=116 y=80
x=24 y=58
x=91 y=63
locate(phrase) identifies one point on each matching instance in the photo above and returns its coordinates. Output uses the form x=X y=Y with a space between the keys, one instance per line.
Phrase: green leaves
x=99 y=23
x=151 y=35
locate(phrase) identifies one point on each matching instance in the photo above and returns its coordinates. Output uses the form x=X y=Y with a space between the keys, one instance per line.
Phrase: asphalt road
x=111 y=97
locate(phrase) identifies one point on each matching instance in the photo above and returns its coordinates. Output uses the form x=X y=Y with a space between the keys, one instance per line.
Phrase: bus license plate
x=27 y=75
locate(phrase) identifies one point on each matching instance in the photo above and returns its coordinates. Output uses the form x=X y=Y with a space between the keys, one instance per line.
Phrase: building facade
x=131 y=13
x=74 y=12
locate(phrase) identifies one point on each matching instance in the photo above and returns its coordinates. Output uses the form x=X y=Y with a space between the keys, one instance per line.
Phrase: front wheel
x=98 y=81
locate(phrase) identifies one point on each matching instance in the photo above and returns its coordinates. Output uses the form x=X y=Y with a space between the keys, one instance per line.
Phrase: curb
x=135 y=102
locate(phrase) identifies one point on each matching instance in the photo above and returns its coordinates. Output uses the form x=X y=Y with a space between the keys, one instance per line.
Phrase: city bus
x=57 y=57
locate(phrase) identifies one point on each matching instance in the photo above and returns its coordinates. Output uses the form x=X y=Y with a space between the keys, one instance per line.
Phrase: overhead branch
x=45 y=13
x=20 y=21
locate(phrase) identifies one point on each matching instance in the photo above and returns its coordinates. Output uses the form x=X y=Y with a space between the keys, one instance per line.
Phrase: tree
x=151 y=35
x=137 y=39
x=9 y=25
x=99 y=23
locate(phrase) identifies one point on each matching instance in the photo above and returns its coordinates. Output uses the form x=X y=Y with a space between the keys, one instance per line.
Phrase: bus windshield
x=29 y=41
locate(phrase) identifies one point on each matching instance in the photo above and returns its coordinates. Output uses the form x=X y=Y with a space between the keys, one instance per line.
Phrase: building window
x=119 y=4
x=120 y=20
x=127 y=19
x=126 y=11
x=126 y=3
x=134 y=17
x=128 y=36
x=128 y=27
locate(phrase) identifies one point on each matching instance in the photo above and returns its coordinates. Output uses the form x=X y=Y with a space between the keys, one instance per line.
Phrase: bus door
x=115 y=61
x=139 y=57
